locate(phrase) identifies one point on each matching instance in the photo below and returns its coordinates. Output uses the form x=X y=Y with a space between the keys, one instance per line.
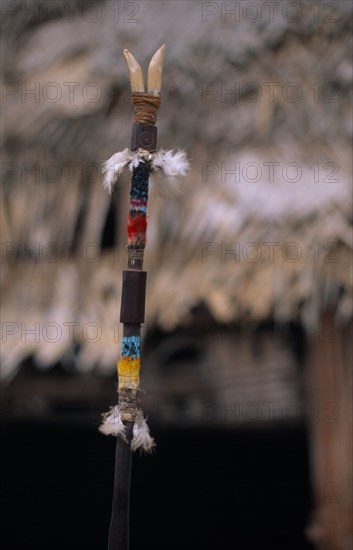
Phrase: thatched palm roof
x=80 y=114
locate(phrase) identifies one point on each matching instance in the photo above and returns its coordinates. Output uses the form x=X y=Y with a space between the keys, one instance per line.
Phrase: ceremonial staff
x=126 y=419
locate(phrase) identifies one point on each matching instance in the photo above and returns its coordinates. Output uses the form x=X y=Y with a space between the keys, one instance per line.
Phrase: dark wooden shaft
x=132 y=316
x=119 y=523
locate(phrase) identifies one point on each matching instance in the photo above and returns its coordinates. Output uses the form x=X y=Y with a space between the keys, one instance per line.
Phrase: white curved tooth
x=155 y=71
x=135 y=72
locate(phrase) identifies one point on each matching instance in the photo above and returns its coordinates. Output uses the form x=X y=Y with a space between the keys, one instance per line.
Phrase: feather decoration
x=168 y=167
x=141 y=435
x=113 y=168
x=112 y=423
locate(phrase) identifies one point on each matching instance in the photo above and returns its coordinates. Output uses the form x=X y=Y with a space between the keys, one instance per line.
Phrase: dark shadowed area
x=203 y=489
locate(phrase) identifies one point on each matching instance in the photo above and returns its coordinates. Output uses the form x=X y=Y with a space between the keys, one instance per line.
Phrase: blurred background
x=247 y=371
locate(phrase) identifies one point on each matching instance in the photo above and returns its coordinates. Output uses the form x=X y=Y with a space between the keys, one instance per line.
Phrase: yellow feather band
x=129 y=372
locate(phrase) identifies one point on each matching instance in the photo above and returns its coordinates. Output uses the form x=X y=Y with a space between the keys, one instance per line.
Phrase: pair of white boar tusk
x=154 y=74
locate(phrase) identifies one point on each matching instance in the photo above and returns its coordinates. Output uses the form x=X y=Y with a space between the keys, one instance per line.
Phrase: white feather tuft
x=136 y=158
x=112 y=423
x=168 y=167
x=141 y=435
x=113 y=168
x=171 y=163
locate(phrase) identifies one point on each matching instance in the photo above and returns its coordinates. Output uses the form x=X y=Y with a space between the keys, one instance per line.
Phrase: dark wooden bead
x=144 y=136
x=133 y=297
